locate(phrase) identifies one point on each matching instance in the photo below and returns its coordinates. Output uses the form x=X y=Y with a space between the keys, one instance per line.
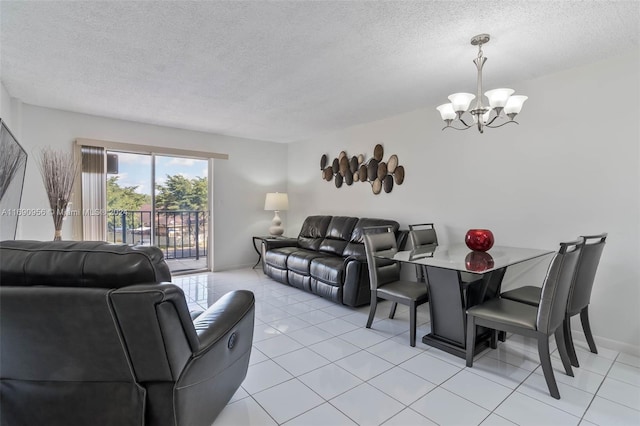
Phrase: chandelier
x=502 y=102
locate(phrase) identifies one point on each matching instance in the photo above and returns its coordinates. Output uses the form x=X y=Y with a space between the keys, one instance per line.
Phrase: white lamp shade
x=276 y=201
x=498 y=97
x=447 y=112
x=514 y=104
x=461 y=101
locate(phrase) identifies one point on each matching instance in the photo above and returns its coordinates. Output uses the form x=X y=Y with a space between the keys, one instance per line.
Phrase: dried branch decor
x=58 y=171
x=11 y=160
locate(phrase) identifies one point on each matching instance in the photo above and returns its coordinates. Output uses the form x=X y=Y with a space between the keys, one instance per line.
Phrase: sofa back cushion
x=63 y=359
x=313 y=232
x=355 y=247
x=338 y=234
x=60 y=334
x=80 y=264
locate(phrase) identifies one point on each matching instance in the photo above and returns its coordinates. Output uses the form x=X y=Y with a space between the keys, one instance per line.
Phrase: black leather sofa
x=327 y=259
x=90 y=335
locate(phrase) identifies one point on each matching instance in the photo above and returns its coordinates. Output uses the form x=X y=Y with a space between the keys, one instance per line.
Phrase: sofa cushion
x=313 y=232
x=338 y=234
x=355 y=247
x=328 y=269
x=278 y=257
x=300 y=260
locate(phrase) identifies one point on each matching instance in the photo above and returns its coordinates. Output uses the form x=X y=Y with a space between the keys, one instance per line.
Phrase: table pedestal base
x=482 y=342
x=449 y=299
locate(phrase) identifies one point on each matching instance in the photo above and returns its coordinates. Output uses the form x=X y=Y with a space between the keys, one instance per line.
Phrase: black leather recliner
x=89 y=335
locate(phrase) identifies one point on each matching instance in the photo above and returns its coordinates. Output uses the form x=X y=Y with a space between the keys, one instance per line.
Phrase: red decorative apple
x=478 y=261
x=479 y=239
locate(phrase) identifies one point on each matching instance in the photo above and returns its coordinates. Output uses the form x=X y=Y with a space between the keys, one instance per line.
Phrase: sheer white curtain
x=94 y=194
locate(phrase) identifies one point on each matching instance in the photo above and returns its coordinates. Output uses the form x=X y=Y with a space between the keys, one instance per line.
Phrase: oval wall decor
x=379 y=174
x=353 y=164
x=348 y=177
x=335 y=165
x=392 y=163
x=378 y=152
x=372 y=170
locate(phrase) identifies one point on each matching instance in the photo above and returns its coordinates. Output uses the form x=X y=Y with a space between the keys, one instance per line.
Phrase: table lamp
x=276 y=201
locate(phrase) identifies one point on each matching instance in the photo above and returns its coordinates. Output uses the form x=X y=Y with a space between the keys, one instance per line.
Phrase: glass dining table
x=458 y=279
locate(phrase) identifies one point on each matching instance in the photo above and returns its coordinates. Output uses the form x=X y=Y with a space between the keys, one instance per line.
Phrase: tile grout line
x=261 y=285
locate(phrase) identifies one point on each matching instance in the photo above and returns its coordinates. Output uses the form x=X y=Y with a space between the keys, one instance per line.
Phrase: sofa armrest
x=272 y=243
x=225 y=332
x=357 y=257
x=221 y=317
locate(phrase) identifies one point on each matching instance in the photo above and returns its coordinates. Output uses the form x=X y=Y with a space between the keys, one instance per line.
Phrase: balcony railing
x=180 y=234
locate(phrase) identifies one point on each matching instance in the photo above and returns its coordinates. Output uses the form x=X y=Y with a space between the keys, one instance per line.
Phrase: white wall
x=240 y=183
x=571 y=167
x=10 y=111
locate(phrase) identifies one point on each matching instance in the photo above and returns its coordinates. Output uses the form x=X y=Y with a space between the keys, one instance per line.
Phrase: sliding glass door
x=163 y=201
x=181 y=211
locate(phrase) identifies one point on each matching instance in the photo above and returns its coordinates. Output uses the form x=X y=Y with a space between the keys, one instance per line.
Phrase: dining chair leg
x=372 y=308
x=584 y=318
x=412 y=323
x=547 y=369
x=392 y=312
x=502 y=335
x=494 y=339
x=568 y=339
x=562 y=349
x=471 y=339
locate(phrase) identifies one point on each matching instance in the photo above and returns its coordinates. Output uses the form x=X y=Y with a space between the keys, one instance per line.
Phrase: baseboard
x=615 y=345
x=240 y=266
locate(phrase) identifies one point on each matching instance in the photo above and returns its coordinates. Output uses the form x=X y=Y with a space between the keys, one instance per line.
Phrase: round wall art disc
x=323 y=161
x=362 y=173
x=348 y=177
x=372 y=170
x=399 y=175
x=344 y=165
x=342 y=154
x=378 y=152
x=360 y=159
x=353 y=164
x=335 y=165
x=387 y=183
x=376 y=186
x=392 y=163
x=382 y=170
x=327 y=173
x=338 y=181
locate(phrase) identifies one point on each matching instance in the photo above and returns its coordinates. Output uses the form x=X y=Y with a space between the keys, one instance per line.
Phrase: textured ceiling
x=285 y=71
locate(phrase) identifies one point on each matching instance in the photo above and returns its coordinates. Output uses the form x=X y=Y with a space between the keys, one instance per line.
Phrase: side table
x=260 y=239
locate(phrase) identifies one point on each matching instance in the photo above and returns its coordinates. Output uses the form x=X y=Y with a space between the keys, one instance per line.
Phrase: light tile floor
x=314 y=363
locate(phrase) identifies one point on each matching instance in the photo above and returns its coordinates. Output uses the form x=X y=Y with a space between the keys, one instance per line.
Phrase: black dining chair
x=539 y=322
x=384 y=278
x=422 y=235
x=579 y=295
